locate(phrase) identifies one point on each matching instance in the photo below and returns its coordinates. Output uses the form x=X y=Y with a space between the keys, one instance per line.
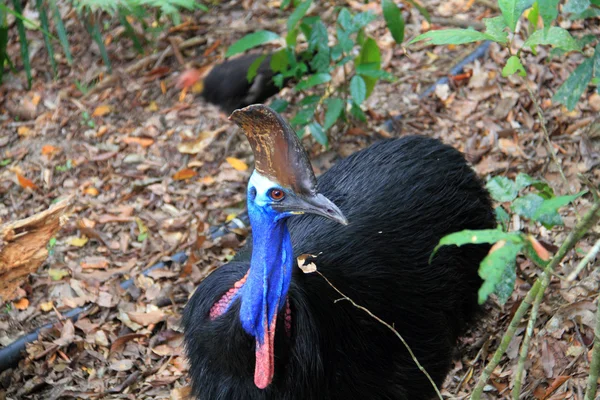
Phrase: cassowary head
x=282 y=185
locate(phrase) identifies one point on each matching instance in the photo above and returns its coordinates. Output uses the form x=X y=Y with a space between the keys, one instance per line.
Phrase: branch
x=592 y=384
x=589 y=219
x=591 y=254
x=412 y=355
x=528 y=334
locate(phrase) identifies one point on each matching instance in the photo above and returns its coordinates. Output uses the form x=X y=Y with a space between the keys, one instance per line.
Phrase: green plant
x=502 y=30
x=324 y=105
x=532 y=200
x=91 y=15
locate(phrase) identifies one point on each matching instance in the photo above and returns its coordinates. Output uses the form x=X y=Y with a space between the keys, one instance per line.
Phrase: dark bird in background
x=259 y=328
x=226 y=84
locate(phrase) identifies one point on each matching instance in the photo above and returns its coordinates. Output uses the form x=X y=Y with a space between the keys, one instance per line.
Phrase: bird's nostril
x=330 y=211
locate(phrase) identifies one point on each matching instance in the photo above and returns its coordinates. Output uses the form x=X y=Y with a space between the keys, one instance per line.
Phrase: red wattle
x=264 y=370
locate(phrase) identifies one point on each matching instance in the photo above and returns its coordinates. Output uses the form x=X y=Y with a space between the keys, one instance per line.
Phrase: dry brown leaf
x=237 y=164
x=306 y=268
x=67 y=334
x=49 y=149
x=101 y=111
x=183 y=393
x=92 y=191
x=120 y=342
x=144 y=142
x=22 y=304
x=95 y=263
x=24 y=131
x=185 y=173
x=47 y=306
x=121 y=365
x=147 y=318
x=25 y=183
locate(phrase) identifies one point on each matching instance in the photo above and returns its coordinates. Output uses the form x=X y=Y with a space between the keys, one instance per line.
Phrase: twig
x=526 y=339
x=412 y=355
x=589 y=219
x=592 y=384
x=489 y=4
x=547 y=135
x=591 y=254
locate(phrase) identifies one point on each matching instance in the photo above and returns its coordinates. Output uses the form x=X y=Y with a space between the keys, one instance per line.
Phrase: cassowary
x=226 y=84
x=259 y=328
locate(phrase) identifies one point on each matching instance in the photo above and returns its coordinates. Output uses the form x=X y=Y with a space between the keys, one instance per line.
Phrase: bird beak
x=312 y=204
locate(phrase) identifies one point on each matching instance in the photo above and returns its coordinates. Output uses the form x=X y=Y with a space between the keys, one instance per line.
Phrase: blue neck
x=264 y=292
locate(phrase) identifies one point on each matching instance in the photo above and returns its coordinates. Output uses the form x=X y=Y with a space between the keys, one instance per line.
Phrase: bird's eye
x=276 y=194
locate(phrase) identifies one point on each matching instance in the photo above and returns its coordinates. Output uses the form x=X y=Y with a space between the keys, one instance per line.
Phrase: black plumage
x=227 y=86
x=400 y=197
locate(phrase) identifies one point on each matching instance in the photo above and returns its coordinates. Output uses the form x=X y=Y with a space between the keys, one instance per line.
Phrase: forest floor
x=153 y=170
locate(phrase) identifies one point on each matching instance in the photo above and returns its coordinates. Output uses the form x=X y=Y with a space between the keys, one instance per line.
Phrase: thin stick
x=547 y=136
x=592 y=384
x=591 y=254
x=526 y=339
x=421 y=368
x=589 y=219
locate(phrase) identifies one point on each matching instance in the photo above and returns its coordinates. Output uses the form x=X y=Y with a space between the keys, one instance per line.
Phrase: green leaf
x=335 y=107
x=361 y=20
x=548 y=11
x=556 y=37
x=23 y=43
x=357 y=112
x=3 y=45
x=279 y=105
x=502 y=189
x=534 y=15
x=253 y=69
x=45 y=26
x=597 y=61
x=498 y=272
x=477 y=237
x=393 y=19
x=345 y=19
x=94 y=31
x=345 y=41
x=452 y=36
x=512 y=11
x=279 y=61
x=547 y=212
x=502 y=217
x=369 y=54
x=358 y=89
x=513 y=65
x=318 y=133
x=250 y=41
x=304 y=116
x=372 y=70
x=309 y=100
x=313 y=80
x=62 y=33
x=523 y=180
x=297 y=15
x=421 y=9
x=129 y=30
x=576 y=6
x=494 y=28
x=527 y=205
x=570 y=91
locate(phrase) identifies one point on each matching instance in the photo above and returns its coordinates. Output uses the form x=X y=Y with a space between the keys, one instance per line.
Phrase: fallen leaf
x=306 y=268
x=558 y=382
x=24 y=131
x=22 y=304
x=101 y=111
x=100 y=338
x=57 y=274
x=210 y=49
x=185 y=173
x=121 y=365
x=144 y=142
x=67 y=334
x=92 y=191
x=183 y=393
x=47 y=306
x=48 y=149
x=24 y=182
x=147 y=318
x=163 y=350
x=120 y=342
x=237 y=164
x=78 y=241
x=95 y=263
